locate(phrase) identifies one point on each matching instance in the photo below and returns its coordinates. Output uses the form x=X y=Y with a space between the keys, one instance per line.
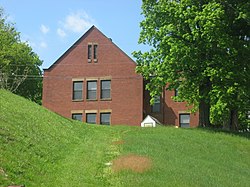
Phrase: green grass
x=40 y=148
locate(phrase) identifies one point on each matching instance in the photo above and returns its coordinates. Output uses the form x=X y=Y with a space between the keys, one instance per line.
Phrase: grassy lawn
x=40 y=148
x=188 y=157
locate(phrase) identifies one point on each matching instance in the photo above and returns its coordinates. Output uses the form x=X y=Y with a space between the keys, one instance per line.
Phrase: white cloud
x=43 y=45
x=61 y=32
x=44 y=29
x=78 y=22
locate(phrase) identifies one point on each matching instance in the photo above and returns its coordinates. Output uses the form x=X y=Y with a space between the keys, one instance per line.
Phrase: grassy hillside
x=40 y=148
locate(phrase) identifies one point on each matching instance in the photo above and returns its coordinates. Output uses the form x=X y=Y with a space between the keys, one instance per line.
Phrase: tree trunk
x=204 y=105
x=204 y=114
x=233 y=122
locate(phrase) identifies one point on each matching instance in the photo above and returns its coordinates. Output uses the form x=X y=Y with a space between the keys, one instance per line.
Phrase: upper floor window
x=157 y=104
x=91 y=90
x=91 y=118
x=77 y=117
x=105 y=89
x=92 y=52
x=95 y=52
x=105 y=118
x=185 y=120
x=77 y=90
x=176 y=92
x=89 y=52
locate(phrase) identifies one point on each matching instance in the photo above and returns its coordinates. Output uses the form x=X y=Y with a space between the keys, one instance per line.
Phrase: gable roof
x=78 y=41
x=151 y=119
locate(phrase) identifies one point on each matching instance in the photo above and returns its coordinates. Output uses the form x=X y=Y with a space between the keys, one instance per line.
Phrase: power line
x=70 y=77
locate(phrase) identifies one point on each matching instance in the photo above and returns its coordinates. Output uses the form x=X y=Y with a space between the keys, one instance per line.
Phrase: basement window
x=77 y=117
x=185 y=120
x=105 y=118
x=91 y=118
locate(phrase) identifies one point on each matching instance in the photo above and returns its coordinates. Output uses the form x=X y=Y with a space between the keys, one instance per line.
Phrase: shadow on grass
x=219 y=130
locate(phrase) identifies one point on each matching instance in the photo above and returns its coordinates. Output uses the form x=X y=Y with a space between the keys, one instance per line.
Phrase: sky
x=51 y=26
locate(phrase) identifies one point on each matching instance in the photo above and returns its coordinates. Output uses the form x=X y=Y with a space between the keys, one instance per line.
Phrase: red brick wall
x=170 y=109
x=126 y=86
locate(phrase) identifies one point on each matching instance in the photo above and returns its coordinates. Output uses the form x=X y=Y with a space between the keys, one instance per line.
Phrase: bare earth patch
x=118 y=142
x=132 y=162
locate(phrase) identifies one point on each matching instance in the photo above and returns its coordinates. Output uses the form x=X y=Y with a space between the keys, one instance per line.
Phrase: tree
x=200 y=47
x=19 y=65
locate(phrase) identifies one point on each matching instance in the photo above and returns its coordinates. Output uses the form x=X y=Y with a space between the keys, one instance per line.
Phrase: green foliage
x=19 y=65
x=201 y=48
x=40 y=148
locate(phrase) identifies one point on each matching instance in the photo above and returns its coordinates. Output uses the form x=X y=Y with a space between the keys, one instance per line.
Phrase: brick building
x=95 y=81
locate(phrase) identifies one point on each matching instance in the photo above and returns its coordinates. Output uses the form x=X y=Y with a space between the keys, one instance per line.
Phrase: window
x=91 y=87
x=176 y=92
x=91 y=118
x=95 y=52
x=77 y=117
x=105 y=118
x=89 y=52
x=185 y=120
x=105 y=89
x=77 y=90
x=157 y=104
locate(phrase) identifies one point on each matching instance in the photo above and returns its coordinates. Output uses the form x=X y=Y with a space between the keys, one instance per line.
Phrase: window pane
x=92 y=95
x=89 y=51
x=156 y=107
x=105 y=118
x=77 y=95
x=77 y=117
x=77 y=90
x=176 y=92
x=77 y=85
x=91 y=85
x=105 y=94
x=185 y=118
x=185 y=125
x=105 y=89
x=91 y=118
x=106 y=84
x=91 y=89
x=95 y=51
x=157 y=104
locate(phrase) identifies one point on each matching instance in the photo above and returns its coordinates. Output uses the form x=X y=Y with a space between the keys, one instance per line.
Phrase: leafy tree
x=19 y=65
x=202 y=48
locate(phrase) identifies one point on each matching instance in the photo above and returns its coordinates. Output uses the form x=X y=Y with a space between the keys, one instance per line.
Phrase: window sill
x=91 y=100
x=77 y=100
x=95 y=60
x=106 y=99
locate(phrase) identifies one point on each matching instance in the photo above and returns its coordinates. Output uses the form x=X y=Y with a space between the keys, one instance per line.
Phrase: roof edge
x=70 y=48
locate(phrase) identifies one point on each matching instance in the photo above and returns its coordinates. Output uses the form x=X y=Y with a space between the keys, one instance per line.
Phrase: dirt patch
x=118 y=142
x=132 y=162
